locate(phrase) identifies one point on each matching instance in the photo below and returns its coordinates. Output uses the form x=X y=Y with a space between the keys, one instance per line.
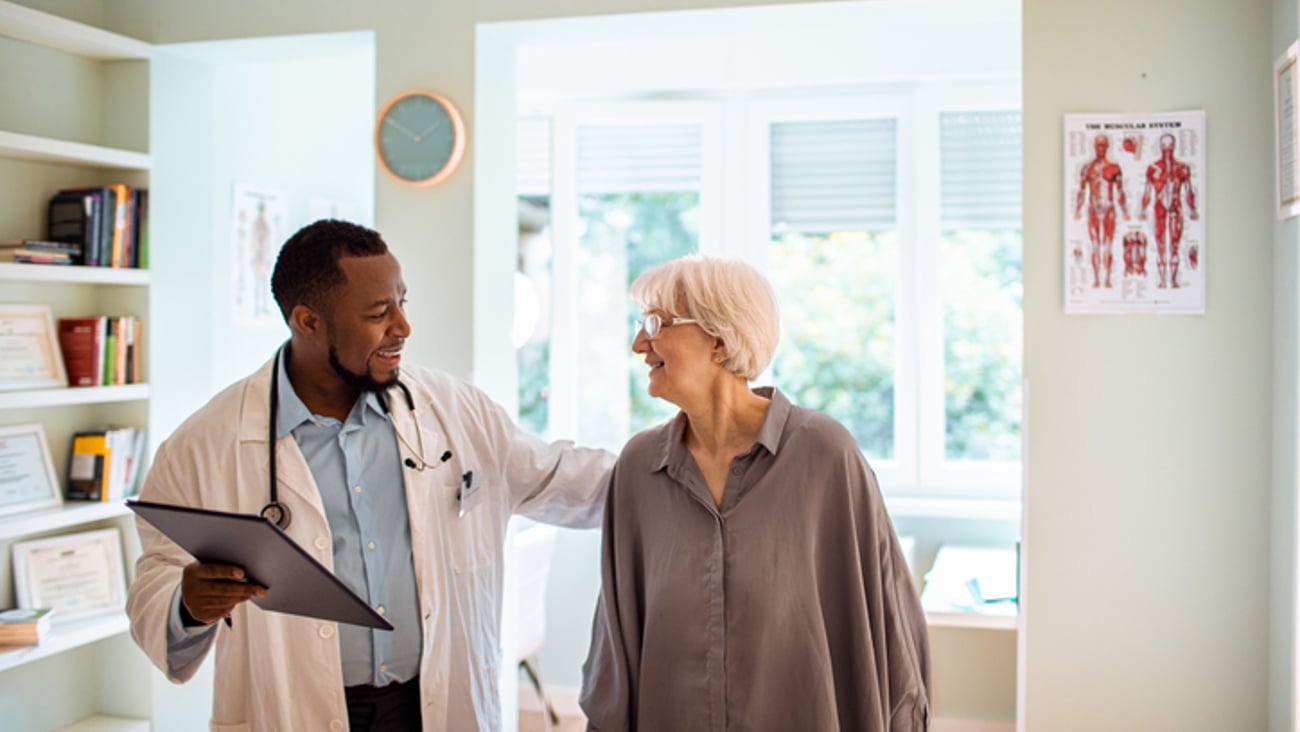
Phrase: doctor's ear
x=303 y=319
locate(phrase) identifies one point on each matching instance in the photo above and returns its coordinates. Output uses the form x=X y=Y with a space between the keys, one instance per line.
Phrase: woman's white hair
x=730 y=300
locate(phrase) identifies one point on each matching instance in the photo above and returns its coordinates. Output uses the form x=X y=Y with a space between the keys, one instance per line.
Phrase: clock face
x=419 y=138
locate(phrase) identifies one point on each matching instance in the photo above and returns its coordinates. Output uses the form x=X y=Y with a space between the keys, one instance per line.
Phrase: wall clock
x=419 y=138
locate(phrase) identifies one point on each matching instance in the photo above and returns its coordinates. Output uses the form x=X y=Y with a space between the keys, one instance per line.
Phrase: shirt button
x=336 y=725
x=380 y=609
x=322 y=543
x=383 y=668
x=327 y=631
x=356 y=489
x=371 y=545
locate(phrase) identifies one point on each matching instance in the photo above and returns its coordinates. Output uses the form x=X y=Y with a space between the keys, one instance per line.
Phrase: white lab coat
x=279 y=673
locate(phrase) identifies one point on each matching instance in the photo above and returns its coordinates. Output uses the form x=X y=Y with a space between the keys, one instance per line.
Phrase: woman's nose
x=640 y=344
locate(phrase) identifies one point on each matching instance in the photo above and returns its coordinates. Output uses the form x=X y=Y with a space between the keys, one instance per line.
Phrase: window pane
x=982 y=294
x=621 y=236
x=534 y=356
x=838 y=343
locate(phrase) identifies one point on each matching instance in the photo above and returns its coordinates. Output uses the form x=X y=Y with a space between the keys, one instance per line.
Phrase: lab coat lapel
x=295 y=484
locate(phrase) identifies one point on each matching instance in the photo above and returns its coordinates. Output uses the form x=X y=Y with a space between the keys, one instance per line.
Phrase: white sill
x=972 y=620
x=954 y=508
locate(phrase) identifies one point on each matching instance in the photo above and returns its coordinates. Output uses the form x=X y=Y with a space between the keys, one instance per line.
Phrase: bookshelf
x=71 y=115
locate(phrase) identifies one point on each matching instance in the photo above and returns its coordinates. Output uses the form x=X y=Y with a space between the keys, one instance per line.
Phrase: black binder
x=296 y=583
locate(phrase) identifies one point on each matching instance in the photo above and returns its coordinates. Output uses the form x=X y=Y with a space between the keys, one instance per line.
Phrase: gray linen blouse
x=790 y=608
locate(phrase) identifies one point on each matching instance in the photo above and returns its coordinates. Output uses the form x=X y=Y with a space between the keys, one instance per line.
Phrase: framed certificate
x=27 y=479
x=75 y=574
x=29 y=348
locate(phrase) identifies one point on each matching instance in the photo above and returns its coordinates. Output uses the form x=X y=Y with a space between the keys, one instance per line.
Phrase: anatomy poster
x=1135 y=213
x=258 y=228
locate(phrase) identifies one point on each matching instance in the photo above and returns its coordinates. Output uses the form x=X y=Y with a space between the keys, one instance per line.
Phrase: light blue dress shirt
x=357 y=468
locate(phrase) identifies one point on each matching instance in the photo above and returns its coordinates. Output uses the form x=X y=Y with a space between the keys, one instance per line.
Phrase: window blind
x=533 y=156
x=626 y=158
x=834 y=175
x=979 y=163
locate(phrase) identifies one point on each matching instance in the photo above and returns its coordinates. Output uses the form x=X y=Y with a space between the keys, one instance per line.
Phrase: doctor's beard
x=360 y=382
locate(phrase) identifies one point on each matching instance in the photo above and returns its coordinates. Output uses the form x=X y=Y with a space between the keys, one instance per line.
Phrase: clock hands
x=402 y=127
x=427 y=130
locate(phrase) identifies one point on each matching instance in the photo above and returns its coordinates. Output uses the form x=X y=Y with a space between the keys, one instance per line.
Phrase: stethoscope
x=278 y=513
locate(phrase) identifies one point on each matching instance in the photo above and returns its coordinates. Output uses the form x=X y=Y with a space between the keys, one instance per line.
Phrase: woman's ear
x=719 y=351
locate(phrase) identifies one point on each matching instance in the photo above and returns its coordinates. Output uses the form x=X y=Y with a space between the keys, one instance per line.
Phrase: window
x=887 y=219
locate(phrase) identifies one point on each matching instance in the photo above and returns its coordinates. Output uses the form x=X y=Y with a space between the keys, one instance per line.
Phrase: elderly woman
x=752 y=579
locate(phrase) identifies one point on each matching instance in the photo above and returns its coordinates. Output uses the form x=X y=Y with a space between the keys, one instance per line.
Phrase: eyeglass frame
x=658 y=320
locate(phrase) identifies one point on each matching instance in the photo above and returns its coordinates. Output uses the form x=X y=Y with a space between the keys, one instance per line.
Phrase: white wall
x=290 y=115
x=1149 y=437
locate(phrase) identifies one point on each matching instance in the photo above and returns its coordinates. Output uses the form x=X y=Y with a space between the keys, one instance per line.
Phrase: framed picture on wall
x=27 y=478
x=76 y=574
x=29 y=349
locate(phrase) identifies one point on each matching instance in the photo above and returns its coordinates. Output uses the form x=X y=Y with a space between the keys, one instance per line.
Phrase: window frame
x=735 y=196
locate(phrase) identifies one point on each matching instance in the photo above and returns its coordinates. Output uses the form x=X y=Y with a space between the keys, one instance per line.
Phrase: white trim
x=565 y=701
x=48 y=150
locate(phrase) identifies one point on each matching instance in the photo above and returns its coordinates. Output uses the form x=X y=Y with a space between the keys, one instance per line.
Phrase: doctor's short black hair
x=308 y=265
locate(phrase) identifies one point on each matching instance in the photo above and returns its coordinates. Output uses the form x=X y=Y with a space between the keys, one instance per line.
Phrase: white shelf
x=971 y=620
x=65 y=636
x=73 y=273
x=73 y=395
x=51 y=31
x=49 y=150
x=72 y=513
x=101 y=723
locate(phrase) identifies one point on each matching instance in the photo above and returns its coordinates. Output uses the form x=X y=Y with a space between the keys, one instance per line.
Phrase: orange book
x=120 y=219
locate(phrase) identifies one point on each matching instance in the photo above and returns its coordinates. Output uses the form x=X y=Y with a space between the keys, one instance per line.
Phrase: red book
x=82 y=343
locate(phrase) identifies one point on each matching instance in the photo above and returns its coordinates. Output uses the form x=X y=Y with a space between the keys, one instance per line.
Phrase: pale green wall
x=1149 y=437
x=1286 y=419
x=1149 y=531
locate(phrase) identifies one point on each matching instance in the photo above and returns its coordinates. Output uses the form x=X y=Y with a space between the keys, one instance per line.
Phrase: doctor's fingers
x=213 y=571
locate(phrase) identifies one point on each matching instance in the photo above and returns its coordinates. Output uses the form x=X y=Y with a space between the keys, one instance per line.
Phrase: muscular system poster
x=1135 y=213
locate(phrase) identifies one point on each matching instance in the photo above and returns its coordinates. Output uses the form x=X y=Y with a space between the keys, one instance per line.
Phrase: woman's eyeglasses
x=652 y=324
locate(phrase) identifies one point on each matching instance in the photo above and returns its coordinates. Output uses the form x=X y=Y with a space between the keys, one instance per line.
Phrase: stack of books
x=36 y=251
x=24 y=626
x=105 y=464
x=109 y=223
x=102 y=350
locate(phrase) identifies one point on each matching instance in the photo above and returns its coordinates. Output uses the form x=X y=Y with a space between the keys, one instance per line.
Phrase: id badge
x=469 y=494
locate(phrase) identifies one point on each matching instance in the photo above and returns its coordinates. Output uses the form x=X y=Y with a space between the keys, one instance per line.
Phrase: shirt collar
x=293 y=412
x=769 y=435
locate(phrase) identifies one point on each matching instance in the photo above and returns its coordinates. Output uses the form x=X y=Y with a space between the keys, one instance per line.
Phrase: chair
x=534 y=547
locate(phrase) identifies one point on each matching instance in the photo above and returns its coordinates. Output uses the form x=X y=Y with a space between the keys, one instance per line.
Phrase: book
x=88 y=467
x=121 y=214
x=27 y=256
x=82 y=341
x=71 y=249
x=76 y=217
x=24 y=626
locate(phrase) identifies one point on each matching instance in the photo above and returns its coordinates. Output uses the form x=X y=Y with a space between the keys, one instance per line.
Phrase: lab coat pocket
x=471 y=530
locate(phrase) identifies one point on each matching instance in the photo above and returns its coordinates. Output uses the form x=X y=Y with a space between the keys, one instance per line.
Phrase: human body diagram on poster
x=1134 y=225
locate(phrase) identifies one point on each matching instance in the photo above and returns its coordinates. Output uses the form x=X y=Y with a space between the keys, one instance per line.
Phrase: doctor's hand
x=210 y=592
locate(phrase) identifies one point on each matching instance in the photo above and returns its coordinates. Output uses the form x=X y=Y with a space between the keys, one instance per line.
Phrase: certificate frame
x=27 y=478
x=76 y=574
x=30 y=357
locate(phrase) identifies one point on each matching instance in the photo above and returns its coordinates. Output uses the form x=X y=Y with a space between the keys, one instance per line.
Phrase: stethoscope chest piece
x=277 y=513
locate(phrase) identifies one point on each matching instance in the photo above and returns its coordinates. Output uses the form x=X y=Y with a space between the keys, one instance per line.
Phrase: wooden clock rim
x=457 y=148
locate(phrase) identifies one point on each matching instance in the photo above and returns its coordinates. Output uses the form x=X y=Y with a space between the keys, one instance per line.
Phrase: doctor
x=398 y=479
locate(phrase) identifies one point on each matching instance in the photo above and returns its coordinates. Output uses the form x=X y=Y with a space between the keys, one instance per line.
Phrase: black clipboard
x=296 y=583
